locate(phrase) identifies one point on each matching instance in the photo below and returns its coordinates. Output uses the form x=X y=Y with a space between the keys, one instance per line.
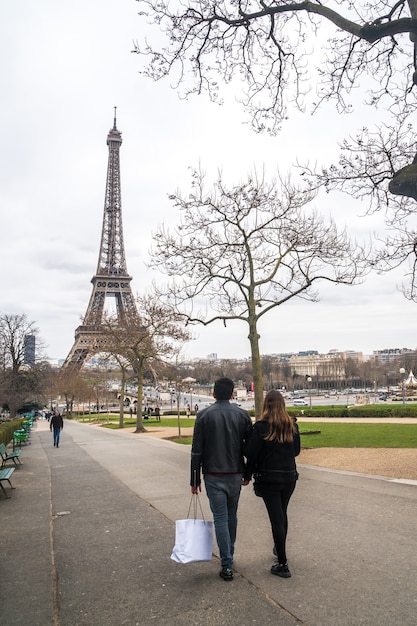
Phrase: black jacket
x=270 y=455
x=56 y=422
x=221 y=432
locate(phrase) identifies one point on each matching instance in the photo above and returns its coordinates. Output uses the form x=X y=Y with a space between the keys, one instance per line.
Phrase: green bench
x=9 y=456
x=5 y=476
x=20 y=436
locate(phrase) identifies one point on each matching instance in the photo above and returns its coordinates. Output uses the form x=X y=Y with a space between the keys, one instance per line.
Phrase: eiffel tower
x=111 y=278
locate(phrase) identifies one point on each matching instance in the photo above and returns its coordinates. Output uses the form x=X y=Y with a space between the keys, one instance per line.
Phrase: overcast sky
x=64 y=67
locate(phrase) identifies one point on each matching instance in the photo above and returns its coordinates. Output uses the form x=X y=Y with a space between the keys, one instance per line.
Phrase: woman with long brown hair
x=272 y=448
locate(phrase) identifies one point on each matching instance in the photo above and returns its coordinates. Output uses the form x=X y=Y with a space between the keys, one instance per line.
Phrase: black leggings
x=276 y=498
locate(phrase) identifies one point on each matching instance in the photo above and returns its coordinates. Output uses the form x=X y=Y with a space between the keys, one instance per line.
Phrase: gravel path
x=392 y=462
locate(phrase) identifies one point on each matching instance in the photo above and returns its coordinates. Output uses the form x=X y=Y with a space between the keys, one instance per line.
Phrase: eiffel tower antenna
x=111 y=278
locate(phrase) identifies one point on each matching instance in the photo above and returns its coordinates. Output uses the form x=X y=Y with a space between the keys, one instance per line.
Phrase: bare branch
x=269 y=46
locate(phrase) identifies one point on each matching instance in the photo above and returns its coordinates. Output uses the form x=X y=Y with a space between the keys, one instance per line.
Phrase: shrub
x=366 y=410
x=7 y=429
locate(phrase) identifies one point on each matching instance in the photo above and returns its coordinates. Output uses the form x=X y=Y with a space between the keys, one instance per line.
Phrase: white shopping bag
x=193 y=541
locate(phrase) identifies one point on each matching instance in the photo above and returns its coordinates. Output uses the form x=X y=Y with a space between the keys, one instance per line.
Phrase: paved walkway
x=87 y=535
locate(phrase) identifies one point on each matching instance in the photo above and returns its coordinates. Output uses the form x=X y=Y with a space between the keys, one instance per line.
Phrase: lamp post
x=402 y=372
x=309 y=379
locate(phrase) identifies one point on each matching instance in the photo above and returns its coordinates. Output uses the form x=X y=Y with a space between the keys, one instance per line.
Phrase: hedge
x=367 y=410
x=7 y=429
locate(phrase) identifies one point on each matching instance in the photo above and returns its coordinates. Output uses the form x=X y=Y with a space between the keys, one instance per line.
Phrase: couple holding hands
x=223 y=436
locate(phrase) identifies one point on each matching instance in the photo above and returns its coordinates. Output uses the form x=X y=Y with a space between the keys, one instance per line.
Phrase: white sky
x=64 y=67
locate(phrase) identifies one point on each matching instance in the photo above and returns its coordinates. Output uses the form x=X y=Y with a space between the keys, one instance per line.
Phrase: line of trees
x=40 y=384
x=138 y=345
x=338 y=373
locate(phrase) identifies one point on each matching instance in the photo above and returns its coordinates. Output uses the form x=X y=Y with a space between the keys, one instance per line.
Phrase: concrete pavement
x=88 y=532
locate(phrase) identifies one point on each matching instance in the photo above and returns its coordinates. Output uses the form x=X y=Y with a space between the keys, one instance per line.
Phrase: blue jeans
x=223 y=493
x=57 y=432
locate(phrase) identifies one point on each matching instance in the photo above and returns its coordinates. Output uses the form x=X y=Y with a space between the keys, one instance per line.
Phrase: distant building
x=354 y=356
x=390 y=354
x=29 y=350
x=330 y=365
x=282 y=357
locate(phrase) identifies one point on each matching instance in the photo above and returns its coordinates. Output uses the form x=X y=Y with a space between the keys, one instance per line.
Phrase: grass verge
x=340 y=435
x=331 y=435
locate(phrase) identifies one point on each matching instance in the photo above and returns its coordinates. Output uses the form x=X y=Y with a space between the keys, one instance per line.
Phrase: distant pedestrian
x=188 y=411
x=273 y=446
x=131 y=411
x=56 y=424
x=157 y=413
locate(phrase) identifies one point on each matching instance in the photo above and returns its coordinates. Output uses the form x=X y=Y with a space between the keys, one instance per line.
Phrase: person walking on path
x=273 y=446
x=57 y=424
x=221 y=432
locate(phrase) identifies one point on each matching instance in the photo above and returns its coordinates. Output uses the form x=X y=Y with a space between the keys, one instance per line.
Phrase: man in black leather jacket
x=221 y=432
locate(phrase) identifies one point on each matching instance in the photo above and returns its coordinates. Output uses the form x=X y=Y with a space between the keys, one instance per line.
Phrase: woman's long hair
x=281 y=424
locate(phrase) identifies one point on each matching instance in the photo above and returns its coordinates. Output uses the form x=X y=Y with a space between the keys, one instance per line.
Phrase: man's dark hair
x=223 y=388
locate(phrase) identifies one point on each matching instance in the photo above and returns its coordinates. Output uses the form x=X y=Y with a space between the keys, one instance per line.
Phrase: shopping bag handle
x=195 y=503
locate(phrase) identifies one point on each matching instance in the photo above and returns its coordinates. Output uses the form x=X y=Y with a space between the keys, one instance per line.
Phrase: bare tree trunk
x=139 y=424
x=179 y=420
x=256 y=363
x=122 y=398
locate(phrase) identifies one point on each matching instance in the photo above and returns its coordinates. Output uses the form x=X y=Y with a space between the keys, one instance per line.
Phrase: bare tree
x=19 y=382
x=147 y=341
x=240 y=252
x=13 y=331
x=373 y=167
x=123 y=366
x=72 y=386
x=269 y=46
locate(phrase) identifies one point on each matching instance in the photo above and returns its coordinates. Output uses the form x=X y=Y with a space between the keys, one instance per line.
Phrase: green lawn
x=332 y=434
x=166 y=422
x=341 y=435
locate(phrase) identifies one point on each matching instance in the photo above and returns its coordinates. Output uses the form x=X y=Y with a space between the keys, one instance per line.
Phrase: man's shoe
x=226 y=573
x=281 y=570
